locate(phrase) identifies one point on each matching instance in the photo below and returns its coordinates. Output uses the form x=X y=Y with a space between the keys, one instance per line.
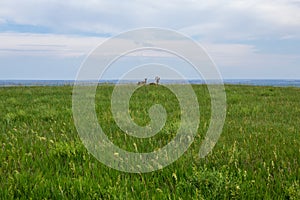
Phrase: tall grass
x=256 y=157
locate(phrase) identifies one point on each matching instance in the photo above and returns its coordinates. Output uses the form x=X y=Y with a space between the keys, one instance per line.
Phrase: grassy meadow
x=256 y=157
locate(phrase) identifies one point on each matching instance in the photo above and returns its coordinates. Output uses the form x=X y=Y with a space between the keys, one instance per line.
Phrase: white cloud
x=233 y=60
x=230 y=54
x=250 y=20
x=246 y=61
x=46 y=44
x=281 y=13
x=14 y=44
x=67 y=45
x=238 y=19
x=214 y=22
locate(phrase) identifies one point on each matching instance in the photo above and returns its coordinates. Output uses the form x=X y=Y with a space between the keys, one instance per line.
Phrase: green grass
x=256 y=157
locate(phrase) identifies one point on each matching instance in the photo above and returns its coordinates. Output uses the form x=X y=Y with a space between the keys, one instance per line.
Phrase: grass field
x=256 y=157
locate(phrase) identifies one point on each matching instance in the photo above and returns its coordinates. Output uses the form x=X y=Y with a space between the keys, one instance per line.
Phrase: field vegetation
x=256 y=157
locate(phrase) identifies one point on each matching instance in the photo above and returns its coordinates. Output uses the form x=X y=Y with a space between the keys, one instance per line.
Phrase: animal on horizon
x=142 y=82
x=157 y=79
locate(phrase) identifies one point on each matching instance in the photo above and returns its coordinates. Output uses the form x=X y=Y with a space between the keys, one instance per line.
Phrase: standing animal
x=157 y=79
x=142 y=82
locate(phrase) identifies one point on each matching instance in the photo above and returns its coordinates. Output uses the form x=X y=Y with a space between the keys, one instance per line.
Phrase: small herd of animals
x=157 y=79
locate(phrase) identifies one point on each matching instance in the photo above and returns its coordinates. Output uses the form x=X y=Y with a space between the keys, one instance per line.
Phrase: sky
x=249 y=39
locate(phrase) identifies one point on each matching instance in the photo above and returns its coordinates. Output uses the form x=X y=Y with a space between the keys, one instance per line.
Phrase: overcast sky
x=49 y=39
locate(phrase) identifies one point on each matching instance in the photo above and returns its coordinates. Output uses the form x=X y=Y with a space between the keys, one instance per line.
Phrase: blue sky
x=49 y=39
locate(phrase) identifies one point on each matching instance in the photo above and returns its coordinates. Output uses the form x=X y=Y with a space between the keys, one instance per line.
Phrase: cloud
x=248 y=20
x=22 y=44
x=246 y=61
x=69 y=46
x=57 y=52
x=13 y=44
x=230 y=54
x=208 y=19
x=239 y=35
